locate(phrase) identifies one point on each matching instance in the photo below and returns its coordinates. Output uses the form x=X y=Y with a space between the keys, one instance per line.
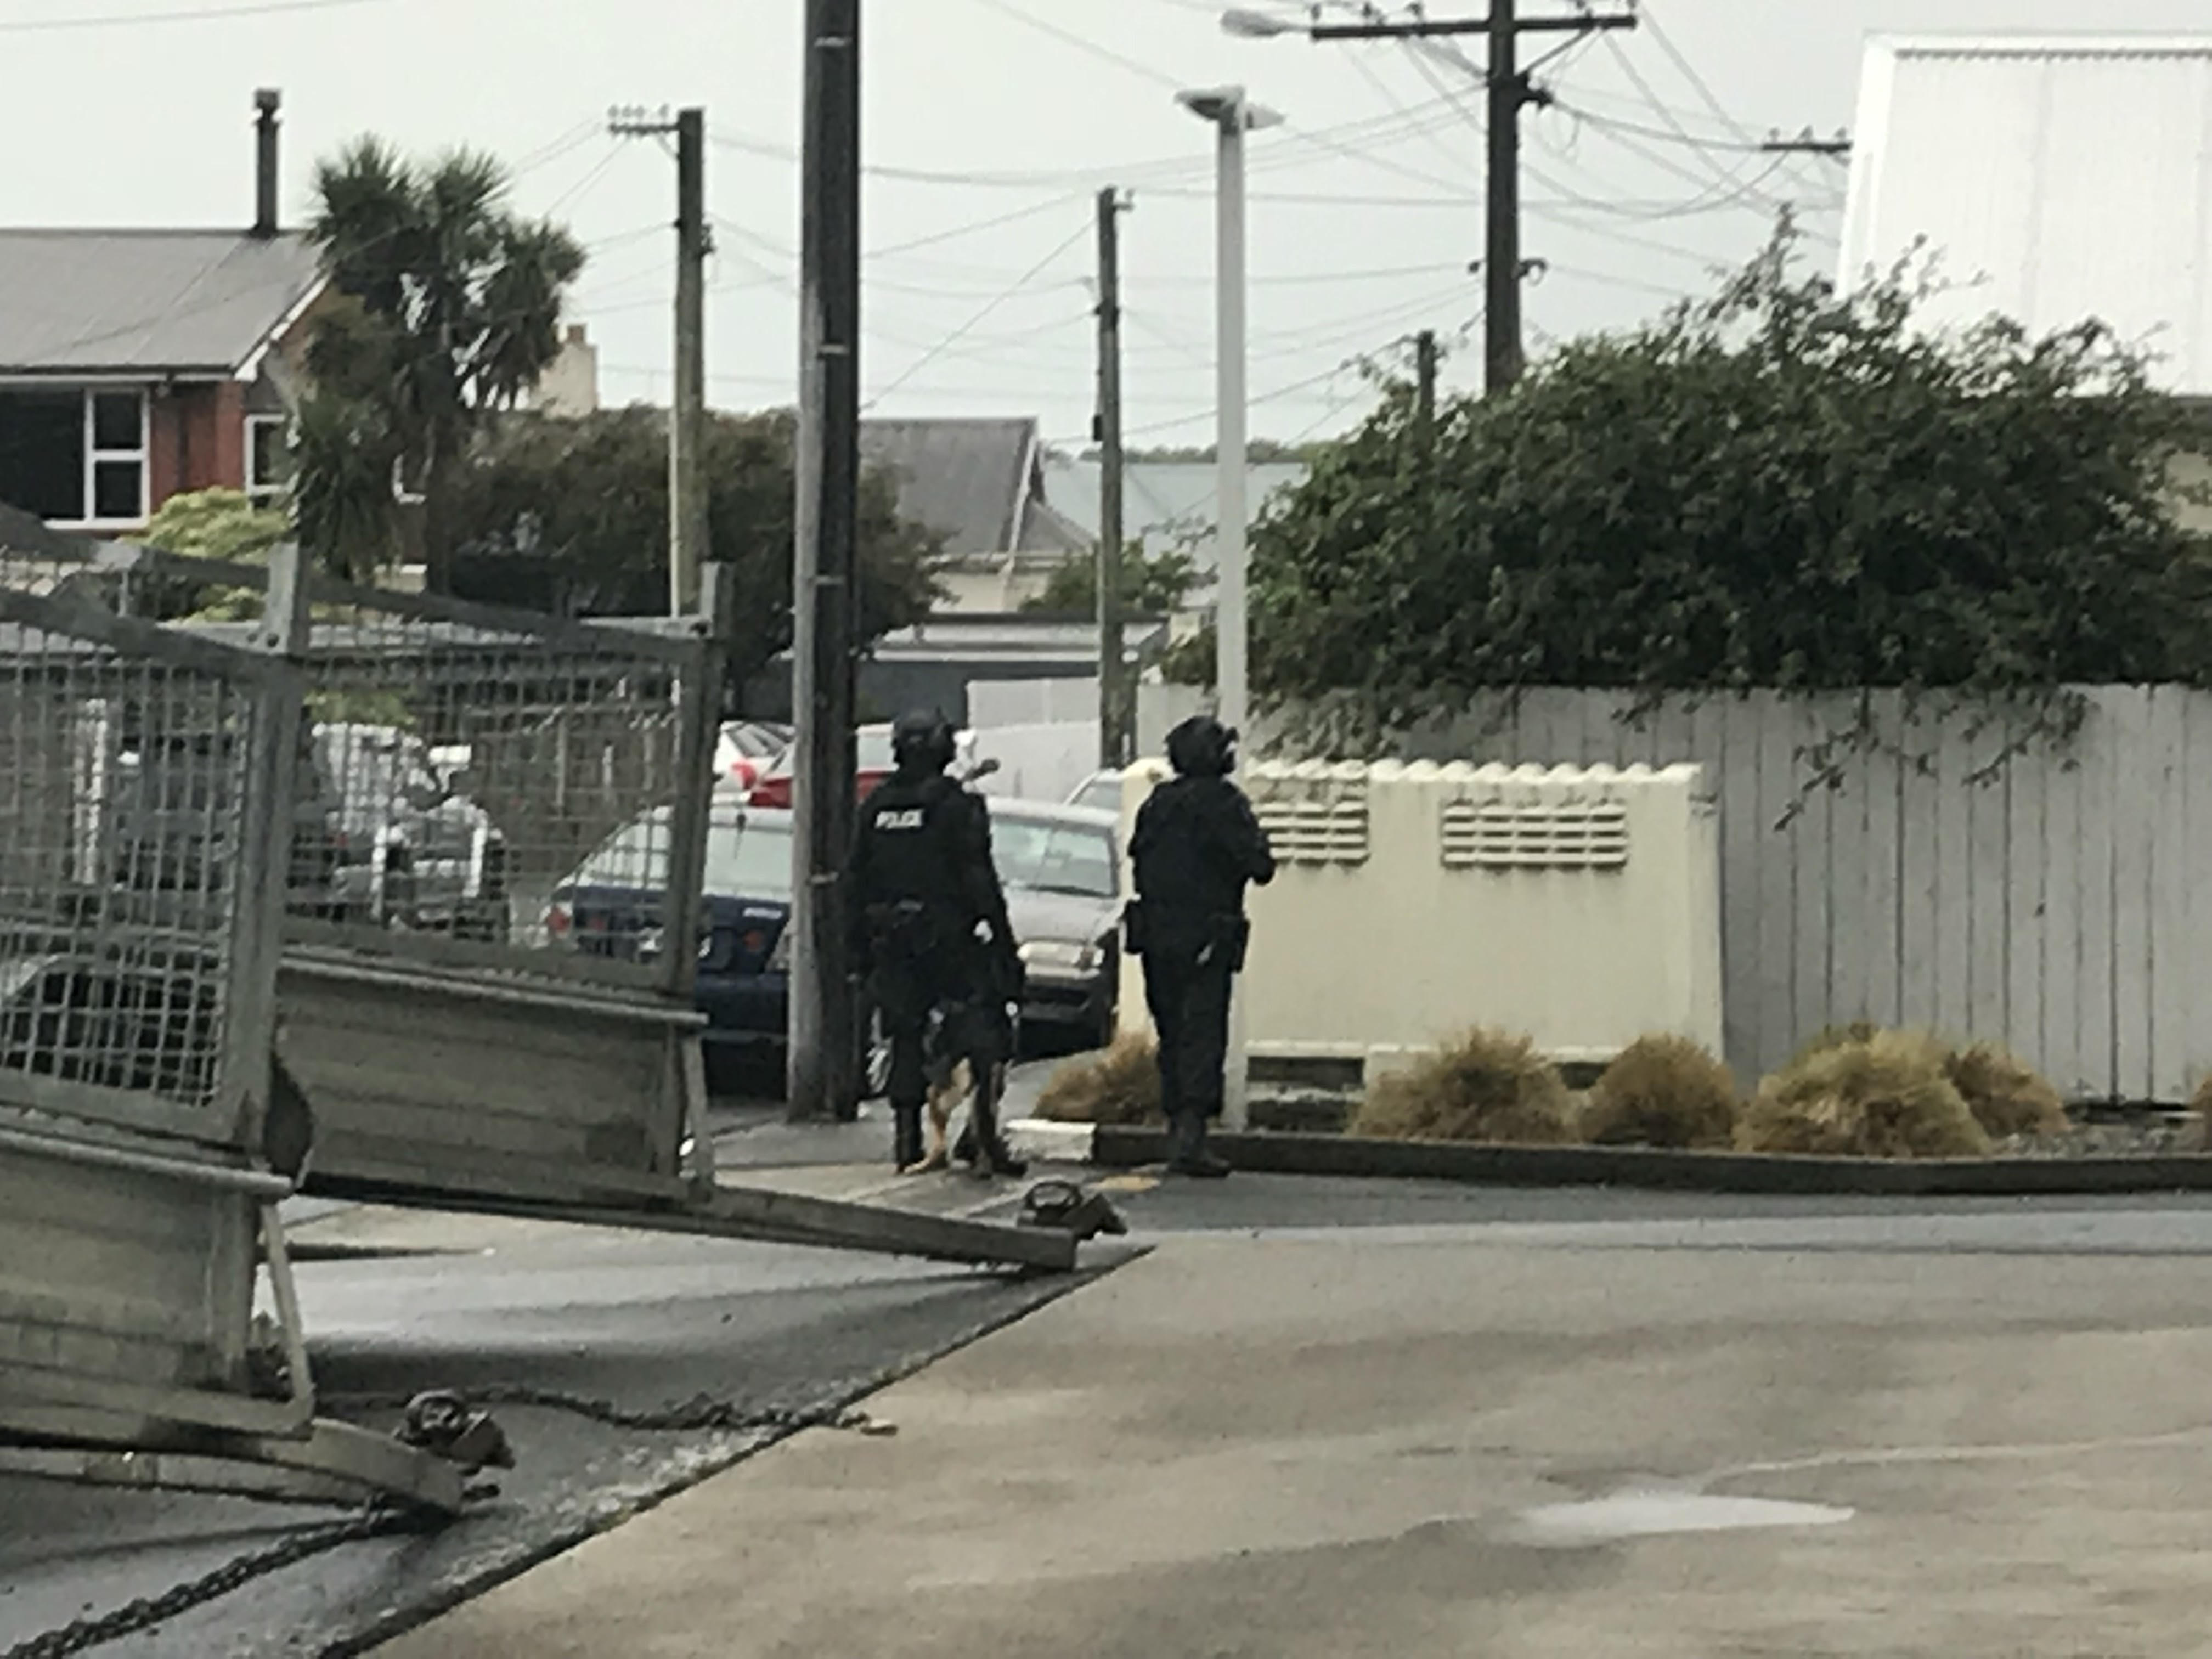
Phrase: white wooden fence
x=2063 y=905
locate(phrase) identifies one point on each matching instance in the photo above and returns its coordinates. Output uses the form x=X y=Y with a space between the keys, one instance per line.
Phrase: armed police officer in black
x=933 y=926
x=1195 y=847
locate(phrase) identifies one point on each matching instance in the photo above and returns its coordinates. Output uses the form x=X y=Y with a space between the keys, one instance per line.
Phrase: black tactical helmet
x=1202 y=747
x=922 y=741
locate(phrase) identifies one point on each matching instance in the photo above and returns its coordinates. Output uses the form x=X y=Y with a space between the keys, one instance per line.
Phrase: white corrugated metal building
x=2060 y=178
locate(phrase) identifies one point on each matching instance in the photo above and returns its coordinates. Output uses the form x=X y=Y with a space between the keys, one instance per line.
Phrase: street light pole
x=1232 y=439
x=1232 y=116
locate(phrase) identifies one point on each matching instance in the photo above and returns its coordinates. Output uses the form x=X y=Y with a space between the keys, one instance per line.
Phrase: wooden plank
x=1782 y=851
x=1843 y=899
x=2066 y=1064
x=2170 y=861
x=2099 y=936
x=1944 y=900
x=1722 y=732
x=1920 y=921
x=1988 y=880
x=1880 y=918
x=2028 y=870
x=2197 y=903
x=2132 y=806
x=1812 y=992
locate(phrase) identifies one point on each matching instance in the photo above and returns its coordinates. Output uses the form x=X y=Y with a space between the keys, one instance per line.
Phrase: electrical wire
x=979 y=318
x=194 y=14
x=1081 y=43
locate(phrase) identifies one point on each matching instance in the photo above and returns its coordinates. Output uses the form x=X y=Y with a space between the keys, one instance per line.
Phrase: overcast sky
x=1366 y=204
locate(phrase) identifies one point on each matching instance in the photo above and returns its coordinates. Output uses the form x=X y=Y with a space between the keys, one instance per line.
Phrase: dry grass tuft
x=1888 y=1097
x=2006 y=1095
x=1662 y=1092
x=1488 y=1087
x=1119 y=1086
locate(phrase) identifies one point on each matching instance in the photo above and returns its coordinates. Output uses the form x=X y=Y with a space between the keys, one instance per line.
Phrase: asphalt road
x=645 y=1321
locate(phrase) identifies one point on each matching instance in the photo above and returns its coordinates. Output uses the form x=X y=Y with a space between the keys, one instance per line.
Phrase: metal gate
x=140 y=768
x=494 y=858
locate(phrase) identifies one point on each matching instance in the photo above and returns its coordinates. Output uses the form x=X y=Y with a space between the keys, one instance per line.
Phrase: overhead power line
x=194 y=14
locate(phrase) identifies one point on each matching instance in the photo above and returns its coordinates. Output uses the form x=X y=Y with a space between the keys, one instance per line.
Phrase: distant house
x=2059 y=177
x=981 y=485
x=136 y=365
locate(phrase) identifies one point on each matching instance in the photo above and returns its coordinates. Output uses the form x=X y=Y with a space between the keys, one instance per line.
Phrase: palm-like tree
x=451 y=309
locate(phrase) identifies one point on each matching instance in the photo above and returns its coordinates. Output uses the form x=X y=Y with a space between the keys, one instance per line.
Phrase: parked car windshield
x=746 y=858
x=1046 y=856
x=1100 y=793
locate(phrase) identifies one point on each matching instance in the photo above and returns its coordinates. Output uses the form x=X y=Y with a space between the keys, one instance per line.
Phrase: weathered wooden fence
x=2060 y=902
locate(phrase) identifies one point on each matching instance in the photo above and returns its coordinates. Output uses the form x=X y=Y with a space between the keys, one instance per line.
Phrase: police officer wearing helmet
x=1196 y=846
x=932 y=928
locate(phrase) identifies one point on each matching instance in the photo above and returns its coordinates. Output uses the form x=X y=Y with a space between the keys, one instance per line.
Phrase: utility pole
x=1113 y=724
x=1510 y=91
x=687 y=424
x=1425 y=390
x=1503 y=352
x=825 y=1038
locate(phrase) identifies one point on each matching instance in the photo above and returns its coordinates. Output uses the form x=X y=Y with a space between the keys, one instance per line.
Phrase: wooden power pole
x=687 y=423
x=1511 y=91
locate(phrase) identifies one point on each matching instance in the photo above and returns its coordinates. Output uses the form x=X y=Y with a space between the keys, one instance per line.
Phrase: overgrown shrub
x=1119 y=1086
x=1489 y=1086
x=1662 y=1092
x=1888 y=1097
x=2006 y=1095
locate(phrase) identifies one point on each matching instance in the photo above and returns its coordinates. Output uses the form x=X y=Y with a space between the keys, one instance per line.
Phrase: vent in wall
x=1317 y=831
x=1591 y=836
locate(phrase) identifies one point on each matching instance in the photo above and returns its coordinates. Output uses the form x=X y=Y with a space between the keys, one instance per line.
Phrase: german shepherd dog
x=952 y=1081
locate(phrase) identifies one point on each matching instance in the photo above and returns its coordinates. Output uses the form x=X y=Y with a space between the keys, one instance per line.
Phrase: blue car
x=611 y=906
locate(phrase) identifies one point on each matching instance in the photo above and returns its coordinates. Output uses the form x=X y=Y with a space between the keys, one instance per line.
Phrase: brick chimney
x=266 y=102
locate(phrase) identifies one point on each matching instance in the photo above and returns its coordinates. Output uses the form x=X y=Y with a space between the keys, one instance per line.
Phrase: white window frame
x=265 y=495
x=94 y=456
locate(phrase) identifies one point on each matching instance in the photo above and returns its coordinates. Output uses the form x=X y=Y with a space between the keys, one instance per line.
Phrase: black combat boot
x=906 y=1137
x=1186 y=1153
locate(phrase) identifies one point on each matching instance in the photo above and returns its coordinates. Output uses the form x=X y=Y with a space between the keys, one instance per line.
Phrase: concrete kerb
x=1109 y=1147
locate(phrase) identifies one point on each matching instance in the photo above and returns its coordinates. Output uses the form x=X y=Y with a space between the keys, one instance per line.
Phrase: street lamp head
x=1248 y=25
x=1227 y=108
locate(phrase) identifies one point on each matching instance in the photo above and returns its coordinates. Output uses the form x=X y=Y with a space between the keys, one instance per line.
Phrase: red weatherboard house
x=136 y=365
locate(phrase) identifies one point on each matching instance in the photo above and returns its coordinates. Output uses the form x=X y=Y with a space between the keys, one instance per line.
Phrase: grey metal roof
x=2059 y=179
x=965 y=479
x=121 y=302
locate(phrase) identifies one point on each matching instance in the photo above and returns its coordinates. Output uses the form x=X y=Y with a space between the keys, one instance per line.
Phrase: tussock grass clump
x=1119 y=1086
x=1836 y=1036
x=1888 y=1097
x=2006 y=1095
x=1489 y=1086
x=1662 y=1092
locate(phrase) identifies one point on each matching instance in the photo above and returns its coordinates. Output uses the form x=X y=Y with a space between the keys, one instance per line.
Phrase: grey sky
x=1366 y=210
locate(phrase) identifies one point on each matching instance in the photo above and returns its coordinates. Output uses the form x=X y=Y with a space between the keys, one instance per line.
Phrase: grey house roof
x=146 y=301
x=976 y=482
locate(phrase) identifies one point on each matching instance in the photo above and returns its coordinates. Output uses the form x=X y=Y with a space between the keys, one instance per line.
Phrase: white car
x=1099 y=792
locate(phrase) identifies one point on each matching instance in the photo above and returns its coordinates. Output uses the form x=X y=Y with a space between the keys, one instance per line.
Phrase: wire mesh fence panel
x=460 y=782
x=128 y=866
x=465 y=773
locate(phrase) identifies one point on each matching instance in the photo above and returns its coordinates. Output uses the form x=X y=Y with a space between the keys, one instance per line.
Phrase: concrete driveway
x=1770 y=1431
